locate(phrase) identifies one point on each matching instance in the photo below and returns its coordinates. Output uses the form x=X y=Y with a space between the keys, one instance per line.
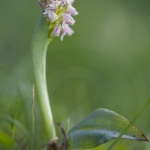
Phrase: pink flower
x=68 y=19
x=71 y=10
x=66 y=30
x=57 y=30
x=59 y=15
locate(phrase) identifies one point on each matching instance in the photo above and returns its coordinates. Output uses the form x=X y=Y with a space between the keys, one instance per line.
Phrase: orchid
x=59 y=15
x=97 y=128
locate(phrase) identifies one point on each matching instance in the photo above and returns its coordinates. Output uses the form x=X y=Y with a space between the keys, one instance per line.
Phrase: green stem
x=39 y=48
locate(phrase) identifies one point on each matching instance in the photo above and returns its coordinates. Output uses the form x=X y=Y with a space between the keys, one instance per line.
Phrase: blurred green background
x=105 y=64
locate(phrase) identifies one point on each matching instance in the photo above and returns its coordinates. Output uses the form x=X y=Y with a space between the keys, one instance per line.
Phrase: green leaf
x=99 y=127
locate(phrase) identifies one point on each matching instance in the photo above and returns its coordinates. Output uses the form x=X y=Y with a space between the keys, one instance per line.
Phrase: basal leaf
x=99 y=127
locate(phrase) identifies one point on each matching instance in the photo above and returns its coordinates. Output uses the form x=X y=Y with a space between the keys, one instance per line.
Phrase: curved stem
x=39 y=48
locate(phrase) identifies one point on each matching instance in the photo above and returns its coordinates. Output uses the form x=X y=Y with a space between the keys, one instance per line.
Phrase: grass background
x=105 y=64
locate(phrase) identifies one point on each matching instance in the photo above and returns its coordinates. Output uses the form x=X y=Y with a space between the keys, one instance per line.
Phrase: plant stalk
x=40 y=44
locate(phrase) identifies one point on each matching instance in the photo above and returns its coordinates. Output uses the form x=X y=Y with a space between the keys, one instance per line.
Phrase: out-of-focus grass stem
x=132 y=121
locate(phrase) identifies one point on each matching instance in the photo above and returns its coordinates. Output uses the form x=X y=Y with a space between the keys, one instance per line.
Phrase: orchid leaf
x=99 y=127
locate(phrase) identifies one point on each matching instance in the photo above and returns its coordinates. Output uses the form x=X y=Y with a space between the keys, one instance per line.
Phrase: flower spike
x=59 y=16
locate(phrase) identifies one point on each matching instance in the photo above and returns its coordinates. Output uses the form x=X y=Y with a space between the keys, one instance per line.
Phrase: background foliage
x=105 y=64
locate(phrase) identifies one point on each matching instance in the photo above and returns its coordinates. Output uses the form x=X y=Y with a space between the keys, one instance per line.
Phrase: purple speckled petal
x=57 y=30
x=68 y=19
x=66 y=30
x=71 y=1
x=71 y=10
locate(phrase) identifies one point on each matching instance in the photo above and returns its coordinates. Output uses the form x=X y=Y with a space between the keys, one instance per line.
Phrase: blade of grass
x=16 y=124
x=33 y=110
x=132 y=121
x=32 y=132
